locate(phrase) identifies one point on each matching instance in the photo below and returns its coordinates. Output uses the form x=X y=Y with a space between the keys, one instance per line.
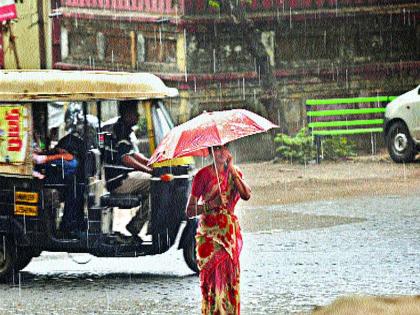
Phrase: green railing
x=341 y=126
x=350 y=116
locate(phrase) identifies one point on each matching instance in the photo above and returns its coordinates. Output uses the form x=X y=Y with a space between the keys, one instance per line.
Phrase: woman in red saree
x=215 y=191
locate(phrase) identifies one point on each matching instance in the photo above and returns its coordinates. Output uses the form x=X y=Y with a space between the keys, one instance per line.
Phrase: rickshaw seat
x=123 y=201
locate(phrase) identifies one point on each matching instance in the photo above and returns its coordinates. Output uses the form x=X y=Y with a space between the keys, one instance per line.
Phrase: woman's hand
x=229 y=161
x=230 y=166
x=193 y=208
x=243 y=188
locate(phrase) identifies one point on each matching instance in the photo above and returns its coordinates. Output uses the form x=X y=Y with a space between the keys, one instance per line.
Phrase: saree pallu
x=219 y=243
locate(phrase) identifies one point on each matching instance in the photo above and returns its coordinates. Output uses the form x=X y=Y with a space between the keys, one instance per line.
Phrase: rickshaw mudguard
x=189 y=232
x=21 y=238
x=168 y=200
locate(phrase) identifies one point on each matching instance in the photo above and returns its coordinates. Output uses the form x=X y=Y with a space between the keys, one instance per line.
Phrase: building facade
x=318 y=48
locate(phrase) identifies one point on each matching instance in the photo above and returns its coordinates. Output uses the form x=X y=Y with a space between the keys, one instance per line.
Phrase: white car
x=402 y=126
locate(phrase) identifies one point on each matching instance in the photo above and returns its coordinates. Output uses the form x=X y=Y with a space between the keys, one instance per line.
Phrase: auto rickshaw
x=30 y=207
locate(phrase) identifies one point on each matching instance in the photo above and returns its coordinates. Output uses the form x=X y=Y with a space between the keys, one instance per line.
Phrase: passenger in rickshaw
x=136 y=182
x=64 y=164
x=64 y=155
x=57 y=156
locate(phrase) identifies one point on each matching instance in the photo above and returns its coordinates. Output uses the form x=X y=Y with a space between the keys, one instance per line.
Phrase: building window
x=160 y=51
x=226 y=52
x=82 y=46
x=117 y=49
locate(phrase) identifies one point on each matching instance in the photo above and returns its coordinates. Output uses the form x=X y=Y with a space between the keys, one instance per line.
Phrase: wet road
x=324 y=250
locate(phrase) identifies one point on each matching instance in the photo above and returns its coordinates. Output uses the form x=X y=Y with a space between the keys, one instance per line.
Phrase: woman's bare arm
x=243 y=188
x=193 y=208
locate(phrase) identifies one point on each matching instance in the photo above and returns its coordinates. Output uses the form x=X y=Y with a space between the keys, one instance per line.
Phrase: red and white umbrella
x=194 y=137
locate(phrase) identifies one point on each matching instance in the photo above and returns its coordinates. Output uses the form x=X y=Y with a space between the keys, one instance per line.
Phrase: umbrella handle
x=217 y=174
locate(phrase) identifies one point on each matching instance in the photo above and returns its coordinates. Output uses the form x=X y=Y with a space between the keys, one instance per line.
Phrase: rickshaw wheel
x=190 y=255
x=7 y=258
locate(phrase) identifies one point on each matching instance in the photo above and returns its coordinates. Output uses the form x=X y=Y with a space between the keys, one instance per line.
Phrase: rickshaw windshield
x=162 y=120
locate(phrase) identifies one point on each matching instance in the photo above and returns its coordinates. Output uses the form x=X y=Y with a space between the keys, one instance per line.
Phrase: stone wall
x=344 y=56
x=327 y=54
x=333 y=57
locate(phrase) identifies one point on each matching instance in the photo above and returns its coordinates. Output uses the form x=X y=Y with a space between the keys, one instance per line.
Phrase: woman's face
x=221 y=154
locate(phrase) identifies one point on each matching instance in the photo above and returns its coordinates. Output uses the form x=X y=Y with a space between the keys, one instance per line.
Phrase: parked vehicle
x=31 y=207
x=402 y=126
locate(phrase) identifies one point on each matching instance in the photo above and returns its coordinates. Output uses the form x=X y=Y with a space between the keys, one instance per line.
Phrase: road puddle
x=267 y=220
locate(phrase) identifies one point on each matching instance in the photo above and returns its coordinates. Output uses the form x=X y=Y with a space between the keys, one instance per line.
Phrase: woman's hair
x=226 y=145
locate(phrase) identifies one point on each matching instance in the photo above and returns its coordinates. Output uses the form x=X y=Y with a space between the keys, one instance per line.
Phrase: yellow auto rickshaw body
x=30 y=204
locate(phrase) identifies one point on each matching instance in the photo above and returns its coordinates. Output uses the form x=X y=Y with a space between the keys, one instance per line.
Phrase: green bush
x=338 y=147
x=301 y=147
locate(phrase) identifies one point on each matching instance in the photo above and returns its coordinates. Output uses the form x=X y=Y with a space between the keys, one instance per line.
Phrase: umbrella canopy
x=193 y=137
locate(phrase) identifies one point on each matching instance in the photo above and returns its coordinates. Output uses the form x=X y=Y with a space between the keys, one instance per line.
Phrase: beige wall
x=25 y=28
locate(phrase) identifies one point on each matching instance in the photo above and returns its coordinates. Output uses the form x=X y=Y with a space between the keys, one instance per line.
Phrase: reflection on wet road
x=327 y=249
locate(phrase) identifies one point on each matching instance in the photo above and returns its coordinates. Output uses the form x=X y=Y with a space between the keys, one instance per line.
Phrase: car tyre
x=190 y=255
x=400 y=145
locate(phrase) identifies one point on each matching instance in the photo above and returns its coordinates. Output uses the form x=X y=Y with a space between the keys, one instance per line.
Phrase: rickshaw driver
x=137 y=181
